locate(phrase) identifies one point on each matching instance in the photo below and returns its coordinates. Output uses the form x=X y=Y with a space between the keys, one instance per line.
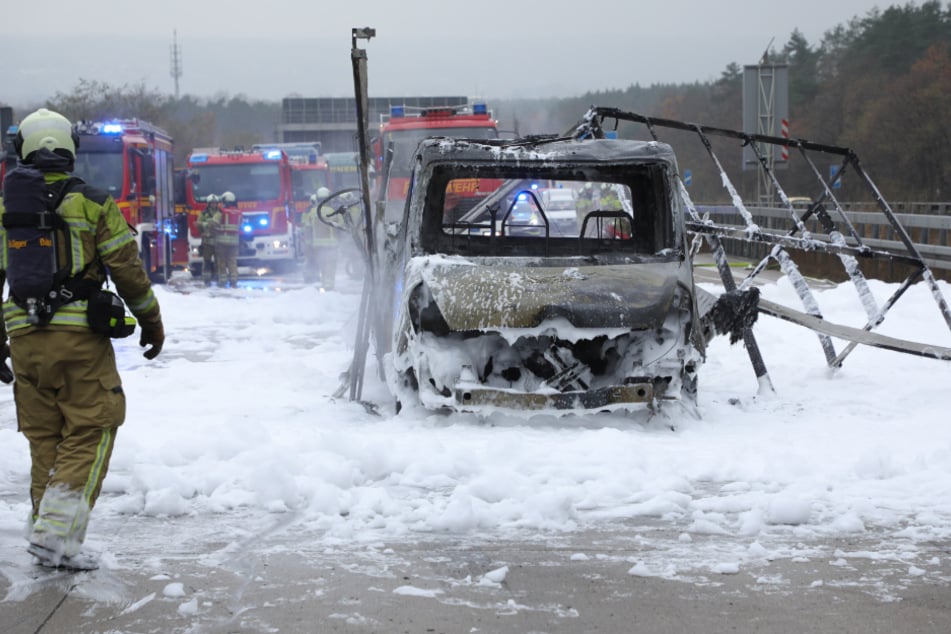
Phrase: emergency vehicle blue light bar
x=397 y=111
x=272 y=155
x=479 y=108
x=263 y=221
x=198 y=158
x=111 y=128
x=247 y=228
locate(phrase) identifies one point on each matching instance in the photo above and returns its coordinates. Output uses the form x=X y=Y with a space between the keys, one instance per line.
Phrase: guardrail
x=774 y=236
x=929 y=231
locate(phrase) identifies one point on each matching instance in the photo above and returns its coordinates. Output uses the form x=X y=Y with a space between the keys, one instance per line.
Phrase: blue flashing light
x=111 y=128
x=198 y=158
x=272 y=155
x=263 y=221
x=247 y=228
x=480 y=108
x=522 y=197
x=534 y=186
x=397 y=111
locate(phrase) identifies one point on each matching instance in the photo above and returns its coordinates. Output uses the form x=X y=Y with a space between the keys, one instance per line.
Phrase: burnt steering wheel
x=339 y=206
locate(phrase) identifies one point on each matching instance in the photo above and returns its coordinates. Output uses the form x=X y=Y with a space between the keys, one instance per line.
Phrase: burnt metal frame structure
x=798 y=236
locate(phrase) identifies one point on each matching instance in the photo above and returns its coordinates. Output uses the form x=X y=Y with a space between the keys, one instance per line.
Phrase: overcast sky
x=491 y=48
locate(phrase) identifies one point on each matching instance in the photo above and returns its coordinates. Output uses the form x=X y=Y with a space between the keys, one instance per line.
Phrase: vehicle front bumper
x=475 y=397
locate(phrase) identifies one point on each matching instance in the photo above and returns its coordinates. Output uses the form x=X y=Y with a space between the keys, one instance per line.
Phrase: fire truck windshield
x=404 y=143
x=247 y=181
x=101 y=169
x=307 y=182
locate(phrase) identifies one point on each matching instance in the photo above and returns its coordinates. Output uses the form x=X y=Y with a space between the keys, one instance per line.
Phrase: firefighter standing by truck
x=227 y=224
x=207 y=229
x=320 y=242
x=68 y=393
x=310 y=232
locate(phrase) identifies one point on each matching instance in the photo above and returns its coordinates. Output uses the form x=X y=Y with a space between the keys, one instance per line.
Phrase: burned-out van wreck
x=561 y=280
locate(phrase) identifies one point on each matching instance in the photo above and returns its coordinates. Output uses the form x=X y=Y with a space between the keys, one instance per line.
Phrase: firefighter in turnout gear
x=207 y=228
x=227 y=223
x=308 y=236
x=320 y=242
x=68 y=394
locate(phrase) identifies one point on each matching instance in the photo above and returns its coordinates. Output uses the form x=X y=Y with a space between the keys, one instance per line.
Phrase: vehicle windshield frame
x=652 y=225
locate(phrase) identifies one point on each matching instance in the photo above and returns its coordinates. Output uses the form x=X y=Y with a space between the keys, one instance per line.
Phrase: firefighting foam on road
x=235 y=449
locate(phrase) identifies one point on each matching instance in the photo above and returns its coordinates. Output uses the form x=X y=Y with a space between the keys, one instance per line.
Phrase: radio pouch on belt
x=106 y=315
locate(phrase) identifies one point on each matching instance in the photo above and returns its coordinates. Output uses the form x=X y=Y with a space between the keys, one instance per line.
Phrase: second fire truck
x=131 y=160
x=309 y=172
x=261 y=182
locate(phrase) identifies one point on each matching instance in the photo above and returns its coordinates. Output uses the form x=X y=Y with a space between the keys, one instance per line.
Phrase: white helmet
x=321 y=194
x=211 y=198
x=45 y=129
x=228 y=197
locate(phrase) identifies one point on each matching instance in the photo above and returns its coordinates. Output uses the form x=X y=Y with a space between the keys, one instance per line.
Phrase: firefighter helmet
x=323 y=192
x=212 y=199
x=227 y=197
x=45 y=129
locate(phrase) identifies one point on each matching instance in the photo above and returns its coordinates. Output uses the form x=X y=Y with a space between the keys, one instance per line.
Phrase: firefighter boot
x=59 y=531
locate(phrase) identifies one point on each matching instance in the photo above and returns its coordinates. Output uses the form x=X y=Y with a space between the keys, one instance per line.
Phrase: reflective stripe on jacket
x=206 y=227
x=316 y=232
x=228 y=222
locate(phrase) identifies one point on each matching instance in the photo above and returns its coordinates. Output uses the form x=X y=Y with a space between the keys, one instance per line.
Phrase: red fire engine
x=403 y=129
x=131 y=160
x=8 y=159
x=344 y=170
x=8 y=155
x=261 y=183
x=309 y=172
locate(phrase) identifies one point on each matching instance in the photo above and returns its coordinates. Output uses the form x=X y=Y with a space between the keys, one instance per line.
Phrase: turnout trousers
x=327 y=263
x=226 y=263
x=207 y=262
x=311 y=264
x=69 y=402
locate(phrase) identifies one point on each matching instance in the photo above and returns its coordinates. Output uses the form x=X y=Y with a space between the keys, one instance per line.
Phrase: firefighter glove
x=153 y=335
x=6 y=375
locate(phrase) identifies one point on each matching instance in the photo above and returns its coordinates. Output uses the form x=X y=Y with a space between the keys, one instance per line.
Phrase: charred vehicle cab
x=505 y=308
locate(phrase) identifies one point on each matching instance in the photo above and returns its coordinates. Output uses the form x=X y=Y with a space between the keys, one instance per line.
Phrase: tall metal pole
x=176 y=61
x=358 y=58
x=766 y=118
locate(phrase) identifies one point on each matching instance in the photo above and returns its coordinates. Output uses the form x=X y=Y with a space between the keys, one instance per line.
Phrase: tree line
x=879 y=84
